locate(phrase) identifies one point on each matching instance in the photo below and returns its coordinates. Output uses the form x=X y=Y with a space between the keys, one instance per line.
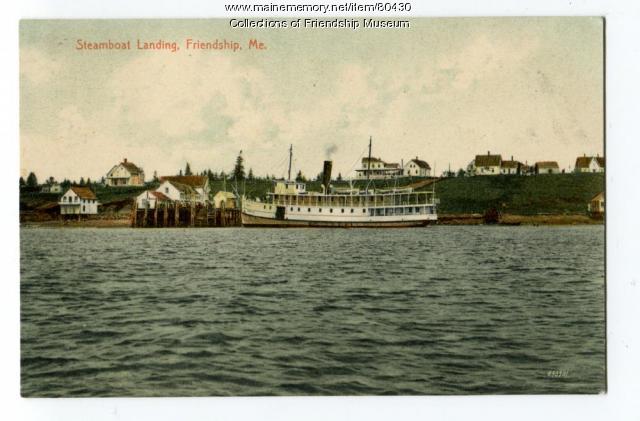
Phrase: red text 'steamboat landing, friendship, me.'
x=291 y=205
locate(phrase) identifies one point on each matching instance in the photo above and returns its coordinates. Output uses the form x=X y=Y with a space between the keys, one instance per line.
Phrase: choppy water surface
x=439 y=310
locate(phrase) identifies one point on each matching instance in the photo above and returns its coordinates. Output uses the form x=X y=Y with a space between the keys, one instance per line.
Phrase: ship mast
x=368 y=165
x=290 y=156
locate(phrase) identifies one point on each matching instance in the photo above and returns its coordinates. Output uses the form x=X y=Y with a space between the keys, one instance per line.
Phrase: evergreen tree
x=300 y=177
x=155 y=176
x=339 y=177
x=32 y=180
x=82 y=181
x=250 y=176
x=180 y=173
x=22 y=182
x=65 y=184
x=238 y=170
x=187 y=170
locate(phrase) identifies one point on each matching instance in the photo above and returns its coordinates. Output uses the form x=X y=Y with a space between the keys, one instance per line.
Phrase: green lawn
x=525 y=195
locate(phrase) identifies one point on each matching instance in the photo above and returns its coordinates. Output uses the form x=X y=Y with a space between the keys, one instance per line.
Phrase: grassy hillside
x=558 y=193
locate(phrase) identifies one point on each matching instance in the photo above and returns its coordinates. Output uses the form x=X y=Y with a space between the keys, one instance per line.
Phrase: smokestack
x=326 y=175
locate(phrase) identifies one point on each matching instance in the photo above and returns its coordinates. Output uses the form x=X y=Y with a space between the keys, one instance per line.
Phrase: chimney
x=512 y=157
x=326 y=176
x=125 y=160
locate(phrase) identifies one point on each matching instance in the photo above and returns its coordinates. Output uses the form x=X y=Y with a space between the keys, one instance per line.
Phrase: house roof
x=547 y=164
x=160 y=196
x=599 y=196
x=421 y=163
x=510 y=164
x=83 y=192
x=194 y=181
x=584 y=161
x=372 y=159
x=183 y=188
x=488 y=160
x=131 y=167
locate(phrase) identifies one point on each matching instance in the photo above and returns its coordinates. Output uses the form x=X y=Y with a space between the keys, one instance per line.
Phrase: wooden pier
x=184 y=215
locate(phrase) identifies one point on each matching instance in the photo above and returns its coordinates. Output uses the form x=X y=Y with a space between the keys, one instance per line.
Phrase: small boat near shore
x=291 y=205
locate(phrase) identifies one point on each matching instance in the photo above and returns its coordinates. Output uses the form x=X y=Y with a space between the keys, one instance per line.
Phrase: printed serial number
x=557 y=373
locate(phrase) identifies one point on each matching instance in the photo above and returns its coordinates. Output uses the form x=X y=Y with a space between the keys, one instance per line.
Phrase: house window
x=342 y=210
x=166 y=189
x=331 y=210
x=364 y=211
x=309 y=210
x=351 y=210
x=83 y=208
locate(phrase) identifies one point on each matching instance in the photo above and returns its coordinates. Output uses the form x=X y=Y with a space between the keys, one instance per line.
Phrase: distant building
x=486 y=164
x=224 y=200
x=185 y=188
x=511 y=167
x=376 y=168
x=52 y=188
x=596 y=204
x=125 y=174
x=589 y=164
x=417 y=167
x=78 y=201
x=547 y=167
x=150 y=199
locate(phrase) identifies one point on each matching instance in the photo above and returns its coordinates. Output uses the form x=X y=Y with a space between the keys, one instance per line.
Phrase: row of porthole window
x=330 y=210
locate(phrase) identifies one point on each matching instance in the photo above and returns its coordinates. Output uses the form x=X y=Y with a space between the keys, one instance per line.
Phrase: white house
x=125 y=174
x=417 y=167
x=224 y=200
x=377 y=168
x=486 y=165
x=52 y=188
x=589 y=164
x=150 y=199
x=78 y=201
x=596 y=204
x=186 y=188
x=547 y=167
x=511 y=167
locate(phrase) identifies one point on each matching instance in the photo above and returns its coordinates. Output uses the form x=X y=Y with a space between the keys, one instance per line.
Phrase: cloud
x=37 y=67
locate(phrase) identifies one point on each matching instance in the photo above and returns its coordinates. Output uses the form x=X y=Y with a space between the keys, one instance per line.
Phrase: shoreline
x=445 y=219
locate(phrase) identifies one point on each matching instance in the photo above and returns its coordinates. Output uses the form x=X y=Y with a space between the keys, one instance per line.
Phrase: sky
x=443 y=90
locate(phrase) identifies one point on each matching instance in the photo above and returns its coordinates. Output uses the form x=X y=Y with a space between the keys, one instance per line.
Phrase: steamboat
x=291 y=205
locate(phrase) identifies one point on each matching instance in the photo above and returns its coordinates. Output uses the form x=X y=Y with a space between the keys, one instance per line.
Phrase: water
x=200 y=312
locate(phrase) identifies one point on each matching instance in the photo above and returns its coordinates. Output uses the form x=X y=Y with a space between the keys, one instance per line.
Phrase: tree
x=32 y=180
x=238 y=170
x=51 y=181
x=250 y=175
x=155 y=176
x=82 y=181
x=65 y=184
x=300 y=177
x=22 y=182
x=461 y=173
x=180 y=173
x=187 y=170
x=339 y=177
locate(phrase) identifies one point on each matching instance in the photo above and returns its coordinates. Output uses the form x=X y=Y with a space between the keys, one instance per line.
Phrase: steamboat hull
x=257 y=221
